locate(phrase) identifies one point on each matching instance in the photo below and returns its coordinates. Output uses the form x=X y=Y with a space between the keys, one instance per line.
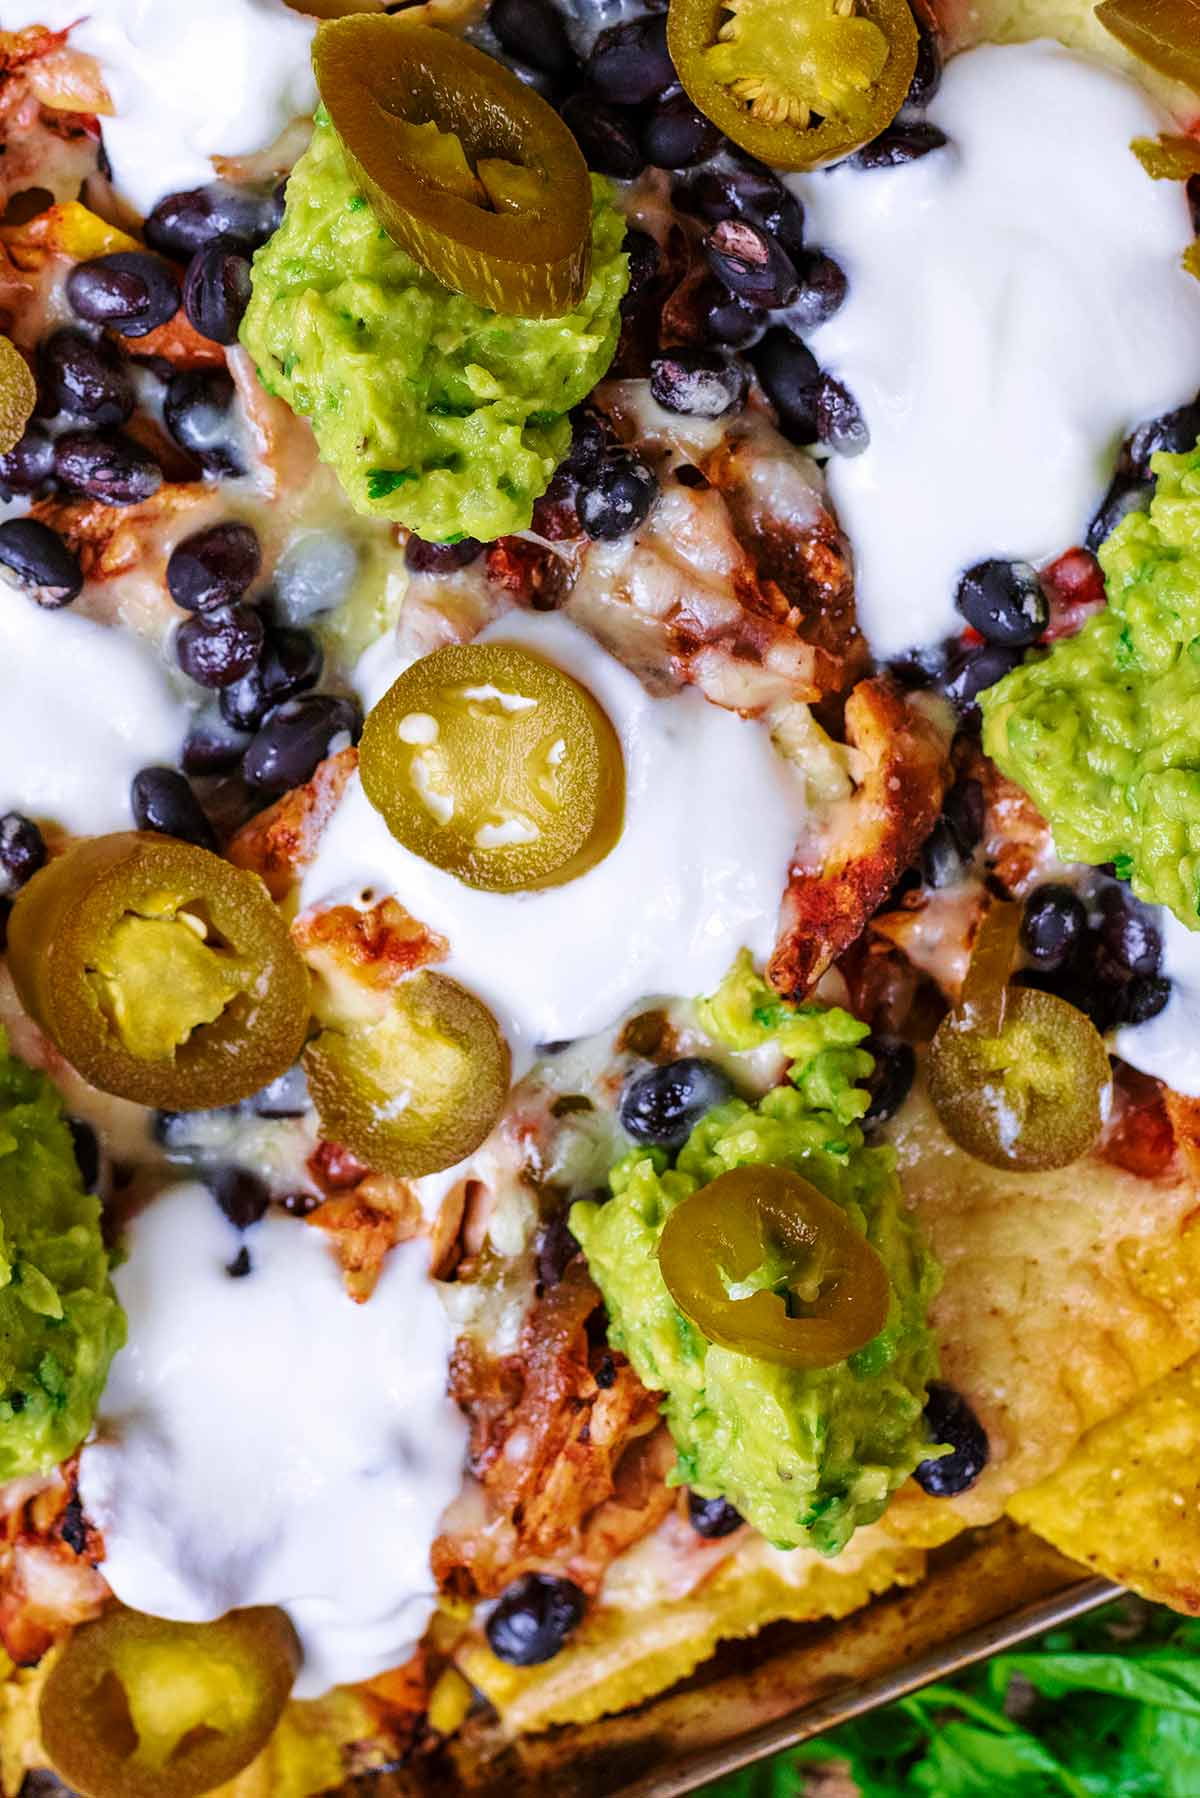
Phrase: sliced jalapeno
x=137 y=1707
x=766 y=1265
x=798 y=83
x=18 y=395
x=162 y=973
x=467 y=168
x=1164 y=33
x=414 y=1090
x=1167 y=158
x=335 y=9
x=496 y=766
x=1018 y=1077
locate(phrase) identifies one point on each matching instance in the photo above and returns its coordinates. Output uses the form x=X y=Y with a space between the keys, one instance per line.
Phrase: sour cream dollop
x=712 y=816
x=265 y=1440
x=188 y=82
x=85 y=707
x=1017 y=304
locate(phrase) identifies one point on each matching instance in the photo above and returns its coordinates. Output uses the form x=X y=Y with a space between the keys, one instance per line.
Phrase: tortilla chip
x=621 y=1656
x=20 y=1744
x=1127 y=1502
x=315 y=1747
x=1065 y=1295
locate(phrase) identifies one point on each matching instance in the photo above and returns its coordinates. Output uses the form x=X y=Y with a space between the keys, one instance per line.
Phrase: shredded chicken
x=553 y=1434
x=49 y=96
x=48 y=1559
x=371 y=950
x=279 y=842
x=837 y=882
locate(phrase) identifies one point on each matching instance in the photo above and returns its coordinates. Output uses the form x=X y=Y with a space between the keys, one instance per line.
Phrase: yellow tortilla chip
x=621 y=1656
x=1065 y=1295
x=1127 y=1502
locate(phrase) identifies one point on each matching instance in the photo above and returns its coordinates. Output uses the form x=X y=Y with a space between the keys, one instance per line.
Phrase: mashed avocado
x=805 y=1456
x=60 y=1323
x=1103 y=732
x=433 y=411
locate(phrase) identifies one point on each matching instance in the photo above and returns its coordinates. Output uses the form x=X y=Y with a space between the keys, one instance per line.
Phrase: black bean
x=645 y=263
x=840 y=423
x=927 y=77
x=533 y=31
x=86 y=1145
x=1174 y=432
x=290 y=663
x=951 y=1421
x=712 y=1518
x=664 y=1105
x=241 y=1264
x=212 y=746
x=216 y=291
x=630 y=64
x=556 y=1249
x=285 y=1097
x=29 y=465
x=162 y=800
x=533 y=1619
x=751 y=263
x=1127 y=493
x=942 y=862
x=823 y=288
x=38 y=559
x=1193 y=194
x=964 y=810
x=591 y=441
x=1004 y=602
x=1078 y=984
x=676 y=135
x=919 y=669
x=975 y=668
x=725 y=319
x=213 y=567
x=746 y=190
x=85 y=377
x=440 y=558
x=183 y=223
x=607 y=136
x=198 y=412
x=129 y=290
x=109 y=466
x=296 y=739
x=215 y=648
x=1143 y=998
x=1128 y=932
x=22 y=852
x=788 y=373
x=242 y=1196
x=905 y=141
x=696 y=383
x=688 y=476
x=1052 y=924
x=5 y=915
x=890 y=1082
x=616 y=496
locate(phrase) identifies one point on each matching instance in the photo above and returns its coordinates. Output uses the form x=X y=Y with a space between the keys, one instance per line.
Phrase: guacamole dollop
x=1103 y=732
x=60 y=1322
x=806 y=1456
x=433 y=411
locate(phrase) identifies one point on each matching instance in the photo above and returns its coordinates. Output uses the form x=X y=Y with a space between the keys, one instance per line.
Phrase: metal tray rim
x=872 y=1694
